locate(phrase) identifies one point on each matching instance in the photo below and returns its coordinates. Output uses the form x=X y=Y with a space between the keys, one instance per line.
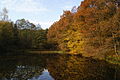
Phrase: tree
x=6 y=36
x=94 y=28
x=24 y=24
x=4 y=15
x=74 y=9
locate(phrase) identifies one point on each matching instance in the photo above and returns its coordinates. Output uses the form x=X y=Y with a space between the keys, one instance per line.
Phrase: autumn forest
x=92 y=29
x=84 y=44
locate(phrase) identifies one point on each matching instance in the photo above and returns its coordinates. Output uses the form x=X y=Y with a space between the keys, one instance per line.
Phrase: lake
x=56 y=67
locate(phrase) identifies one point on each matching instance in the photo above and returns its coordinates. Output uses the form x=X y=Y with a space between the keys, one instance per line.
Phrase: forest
x=91 y=29
x=20 y=35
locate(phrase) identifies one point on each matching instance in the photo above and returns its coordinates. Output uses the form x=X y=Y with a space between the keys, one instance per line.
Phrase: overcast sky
x=44 y=12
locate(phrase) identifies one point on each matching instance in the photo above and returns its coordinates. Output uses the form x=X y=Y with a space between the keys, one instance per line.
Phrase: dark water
x=56 y=67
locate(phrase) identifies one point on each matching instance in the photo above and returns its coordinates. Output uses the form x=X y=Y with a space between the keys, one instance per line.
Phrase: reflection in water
x=45 y=76
x=56 y=67
x=77 y=68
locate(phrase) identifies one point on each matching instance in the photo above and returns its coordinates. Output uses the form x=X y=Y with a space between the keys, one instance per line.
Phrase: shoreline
x=115 y=59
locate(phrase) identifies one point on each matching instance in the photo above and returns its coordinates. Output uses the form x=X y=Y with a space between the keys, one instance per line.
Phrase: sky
x=44 y=12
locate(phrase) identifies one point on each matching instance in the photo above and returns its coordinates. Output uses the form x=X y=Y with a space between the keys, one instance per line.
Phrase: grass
x=46 y=52
x=115 y=59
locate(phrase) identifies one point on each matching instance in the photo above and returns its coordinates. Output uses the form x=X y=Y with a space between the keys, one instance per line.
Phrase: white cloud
x=44 y=25
x=23 y=5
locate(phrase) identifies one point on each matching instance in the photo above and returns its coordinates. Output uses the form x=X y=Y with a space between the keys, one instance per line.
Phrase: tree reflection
x=77 y=68
x=21 y=68
x=60 y=67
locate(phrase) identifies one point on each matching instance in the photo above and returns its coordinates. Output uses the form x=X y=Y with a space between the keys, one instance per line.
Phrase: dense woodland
x=20 y=35
x=12 y=38
x=92 y=29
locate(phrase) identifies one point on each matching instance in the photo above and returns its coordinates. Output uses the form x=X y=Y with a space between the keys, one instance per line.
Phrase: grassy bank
x=115 y=59
x=46 y=52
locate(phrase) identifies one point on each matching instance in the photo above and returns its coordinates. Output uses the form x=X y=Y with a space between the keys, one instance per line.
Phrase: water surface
x=56 y=67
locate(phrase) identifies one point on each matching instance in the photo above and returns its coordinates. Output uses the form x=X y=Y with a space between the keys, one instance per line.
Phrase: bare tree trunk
x=114 y=43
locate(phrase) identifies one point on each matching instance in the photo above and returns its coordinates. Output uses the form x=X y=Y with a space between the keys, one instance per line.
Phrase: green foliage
x=24 y=24
x=92 y=30
x=13 y=37
x=113 y=59
x=6 y=35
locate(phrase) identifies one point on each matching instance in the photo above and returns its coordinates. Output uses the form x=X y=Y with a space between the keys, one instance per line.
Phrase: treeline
x=21 y=35
x=92 y=29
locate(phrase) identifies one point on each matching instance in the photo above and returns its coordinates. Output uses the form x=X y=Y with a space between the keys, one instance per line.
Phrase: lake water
x=56 y=67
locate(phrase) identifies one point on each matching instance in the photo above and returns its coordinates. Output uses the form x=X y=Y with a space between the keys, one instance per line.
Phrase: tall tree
x=4 y=14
